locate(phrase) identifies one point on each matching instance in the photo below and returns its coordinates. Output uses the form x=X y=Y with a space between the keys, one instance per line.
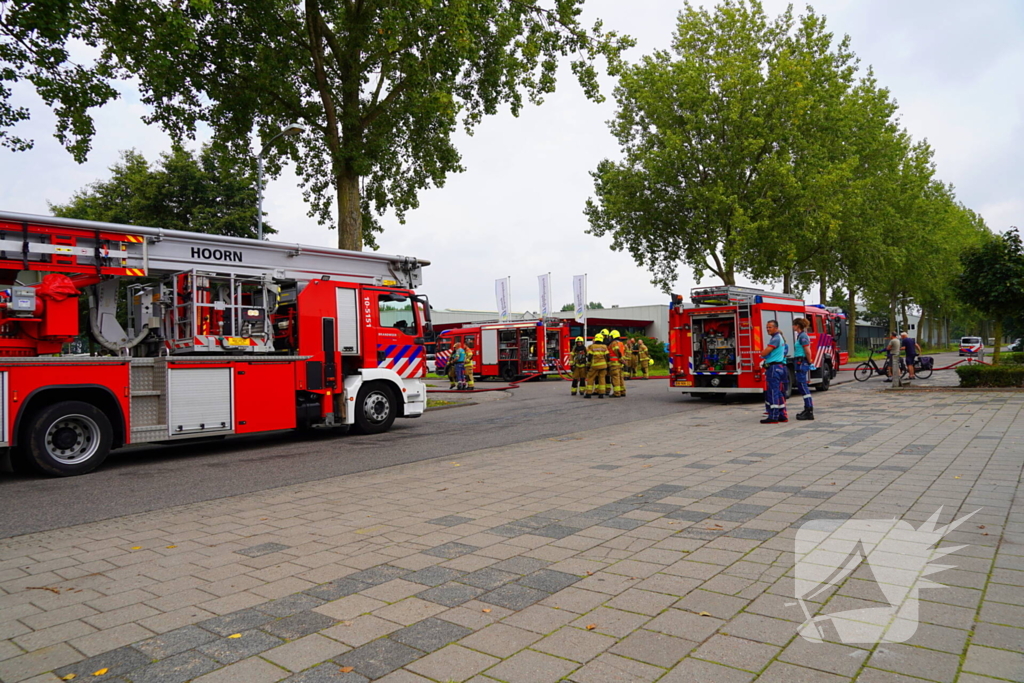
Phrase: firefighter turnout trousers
x=579 y=378
x=450 y=371
x=776 y=378
x=644 y=363
x=615 y=376
x=470 y=366
x=597 y=374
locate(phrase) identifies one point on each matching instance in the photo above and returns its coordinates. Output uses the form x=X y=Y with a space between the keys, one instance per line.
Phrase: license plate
x=236 y=341
x=683 y=383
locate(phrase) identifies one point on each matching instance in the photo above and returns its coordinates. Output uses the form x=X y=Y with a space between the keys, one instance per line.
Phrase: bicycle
x=870 y=368
x=921 y=371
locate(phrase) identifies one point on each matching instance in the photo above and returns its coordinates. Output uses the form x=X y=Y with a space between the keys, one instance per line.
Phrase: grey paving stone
x=235 y=622
x=173 y=642
x=231 y=650
x=451 y=594
x=740 y=513
x=508 y=530
x=556 y=531
x=450 y=520
x=606 y=467
x=434 y=576
x=623 y=523
x=698 y=466
x=554 y=514
x=262 y=549
x=760 y=455
x=785 y=489
x=488 y=578
x=738 y=492
x=815 y=494
x=588 y=519
x=520 y=565
x=339 y=588
x=669 y=488
x=689 y=515
x=300 y=624
x=660 y=508
x=548 y=580
x=751 y=534
x=430 y=634
x=375 y=576
x=916 y=449
x=893 y=468
x=534 y=522
x=701 y=534
x=741 y=461
x=177 y=669
x=117 y=662
x=814 y=515
x=856 y=468
x=289 y=605
x=326 y=673
x=451 y=550
x=513 y=597
x=378 y=658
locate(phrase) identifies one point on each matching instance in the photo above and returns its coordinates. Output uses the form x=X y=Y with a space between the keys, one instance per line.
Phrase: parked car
x=1017 y=345
x=971 y=346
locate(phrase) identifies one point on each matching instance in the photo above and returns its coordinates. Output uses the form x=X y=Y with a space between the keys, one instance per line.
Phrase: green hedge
x=1008 y=358
x=991 y=375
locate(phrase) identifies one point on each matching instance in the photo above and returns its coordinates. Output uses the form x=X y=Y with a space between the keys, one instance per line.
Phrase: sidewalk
x=658 y=550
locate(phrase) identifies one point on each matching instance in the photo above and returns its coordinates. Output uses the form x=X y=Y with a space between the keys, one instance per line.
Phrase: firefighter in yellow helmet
x=578 y=363
x=597 y=367
x=645 y=360
x=470 y=365
x=449 y=368
x=616 y=356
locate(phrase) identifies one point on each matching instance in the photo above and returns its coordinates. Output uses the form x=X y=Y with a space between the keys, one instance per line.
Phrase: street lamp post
x=290 y=129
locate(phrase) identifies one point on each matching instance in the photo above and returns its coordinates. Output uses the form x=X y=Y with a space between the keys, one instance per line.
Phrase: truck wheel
x=508 y=373
x=826 y=377
x=68 y=438
x=375 y=409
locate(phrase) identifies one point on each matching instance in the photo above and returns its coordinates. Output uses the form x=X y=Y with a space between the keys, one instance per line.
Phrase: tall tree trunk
x=350 y=211
x=892 y=313
x=851 y=321
x=923 y=328
x=906 y=318
x=787 y=283
x=999 y=341
x=823 y=288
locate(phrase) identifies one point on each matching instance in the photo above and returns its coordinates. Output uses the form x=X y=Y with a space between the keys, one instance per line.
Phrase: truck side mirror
x=419 y=340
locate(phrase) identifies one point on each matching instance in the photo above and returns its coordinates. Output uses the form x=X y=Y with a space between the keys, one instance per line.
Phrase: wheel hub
x=73 y=439
x=64 y=438
x=376 y=407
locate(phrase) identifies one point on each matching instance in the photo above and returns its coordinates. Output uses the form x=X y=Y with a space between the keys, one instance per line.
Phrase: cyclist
x=911 y=349
x=892 y=352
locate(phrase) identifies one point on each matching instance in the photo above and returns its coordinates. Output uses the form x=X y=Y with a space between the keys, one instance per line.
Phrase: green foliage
x=380 y=86
x=1015 y=358
x=992 y=280
x=655 y=348
x=972 y=376
x=593 y=305
x=210 y=192
x=33 y=49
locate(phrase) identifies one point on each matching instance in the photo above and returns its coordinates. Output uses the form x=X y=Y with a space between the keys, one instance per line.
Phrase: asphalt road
x=145 y=478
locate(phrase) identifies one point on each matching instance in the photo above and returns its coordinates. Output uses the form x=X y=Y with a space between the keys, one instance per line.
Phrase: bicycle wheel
x=903 y=369
x=863 y=372
x=922 y=373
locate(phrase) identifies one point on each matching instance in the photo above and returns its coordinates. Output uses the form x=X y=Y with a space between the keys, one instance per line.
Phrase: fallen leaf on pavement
x=486 y=610
x=235 y=635
x=172 y=546
x=100 y=672
x=705 y=614
x=981 y=526
x=67 y=678
x=591 y=627
x=55 y=591
x=136 y=547
x=457 y=464
x=589 y=573
x=832 y=483
x=346 y=669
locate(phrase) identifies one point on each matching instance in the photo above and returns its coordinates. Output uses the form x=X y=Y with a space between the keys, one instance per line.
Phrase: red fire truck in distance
x=207 y=335
x=511 y=350
x=715 y=344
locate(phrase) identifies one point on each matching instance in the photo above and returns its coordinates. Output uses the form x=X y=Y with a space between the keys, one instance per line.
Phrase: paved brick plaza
x=658 y=550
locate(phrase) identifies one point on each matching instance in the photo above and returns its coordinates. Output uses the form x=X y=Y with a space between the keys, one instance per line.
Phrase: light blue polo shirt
x=803 y=339
x=778 y=354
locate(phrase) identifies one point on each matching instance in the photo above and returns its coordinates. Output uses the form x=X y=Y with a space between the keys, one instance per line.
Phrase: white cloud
x=953 y=66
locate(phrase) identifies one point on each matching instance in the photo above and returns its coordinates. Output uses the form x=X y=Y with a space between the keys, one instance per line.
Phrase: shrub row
x=1011 y=358
x=991 y=375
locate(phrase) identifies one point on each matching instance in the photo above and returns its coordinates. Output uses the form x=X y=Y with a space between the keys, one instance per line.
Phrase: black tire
x=826 y=377
x=68 y=438
x=921 y=373
x=863 y=372
x=790 y=382
x=508 y=373
x=376 y=408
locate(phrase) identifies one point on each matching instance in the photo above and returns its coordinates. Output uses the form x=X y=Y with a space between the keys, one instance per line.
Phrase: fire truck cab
x=199 y=336
x=715 y=343
x=510 y=351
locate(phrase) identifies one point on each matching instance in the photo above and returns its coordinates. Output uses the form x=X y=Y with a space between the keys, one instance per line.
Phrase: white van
x=971 y=346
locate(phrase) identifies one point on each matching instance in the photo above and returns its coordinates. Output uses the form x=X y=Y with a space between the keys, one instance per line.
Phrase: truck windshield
x=396 y=310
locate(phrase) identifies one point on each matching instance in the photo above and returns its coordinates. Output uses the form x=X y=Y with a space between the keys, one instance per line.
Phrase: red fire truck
x=203 y=335
x=511 y=350
x=715 y=343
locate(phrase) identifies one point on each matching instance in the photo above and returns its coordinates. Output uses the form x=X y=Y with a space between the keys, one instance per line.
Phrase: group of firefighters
x=603 y=368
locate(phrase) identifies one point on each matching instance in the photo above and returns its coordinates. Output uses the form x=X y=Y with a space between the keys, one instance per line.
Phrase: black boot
x=808 y=414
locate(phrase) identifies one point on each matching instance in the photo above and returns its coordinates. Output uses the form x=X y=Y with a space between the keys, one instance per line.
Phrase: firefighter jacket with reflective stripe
x=644 y=353
x=616 y=352
x=598 y=354
x=578 y=358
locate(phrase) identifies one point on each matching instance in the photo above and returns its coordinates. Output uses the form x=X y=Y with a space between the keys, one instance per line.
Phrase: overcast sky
x=953 y=66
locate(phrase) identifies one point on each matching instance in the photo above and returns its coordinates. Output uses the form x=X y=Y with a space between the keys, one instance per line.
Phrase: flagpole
x=585 y=306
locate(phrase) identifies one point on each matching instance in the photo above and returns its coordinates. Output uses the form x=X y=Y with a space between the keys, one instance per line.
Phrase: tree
x=593 y=305
x=380 y=86
x=209 y=193
x=33 y=49
x=992 y=280
x=725 y=144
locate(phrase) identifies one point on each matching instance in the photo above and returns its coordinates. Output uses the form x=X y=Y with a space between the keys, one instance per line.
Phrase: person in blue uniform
x=776 y=375
x=803 y=364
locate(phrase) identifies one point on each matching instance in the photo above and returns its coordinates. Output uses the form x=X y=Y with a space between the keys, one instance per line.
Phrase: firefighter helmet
x=579 y=340
x=615 y=334
x=605 y=332
x=598 y=338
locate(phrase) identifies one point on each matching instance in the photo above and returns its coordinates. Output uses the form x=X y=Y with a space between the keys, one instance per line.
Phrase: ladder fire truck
x=206 y=336
x=511 y=350
x=715 y=344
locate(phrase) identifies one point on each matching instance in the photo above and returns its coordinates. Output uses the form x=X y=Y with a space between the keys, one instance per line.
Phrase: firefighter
x=616 y=354
x=776 y=375
x=458 y=359
x=578 y=364
x=449 y=368
x=470 y=365
x=643 y=359
x=632 y=359
x=597 y=367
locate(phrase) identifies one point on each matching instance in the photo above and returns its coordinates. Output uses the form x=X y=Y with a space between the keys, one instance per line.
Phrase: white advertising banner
x=501 y=295
x=544 y=282
x=579 y=291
